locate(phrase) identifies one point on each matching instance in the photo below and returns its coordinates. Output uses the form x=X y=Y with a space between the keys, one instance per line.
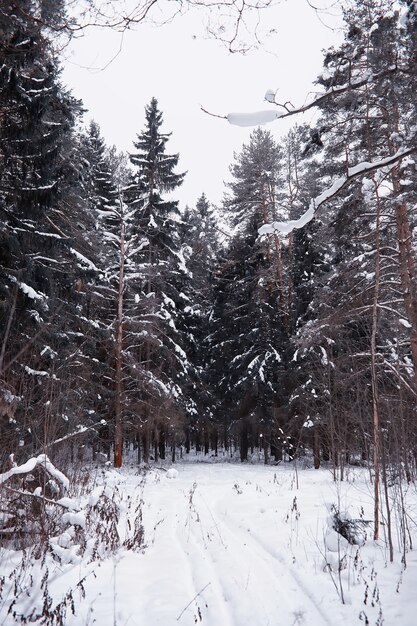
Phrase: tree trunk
x=316 y=447
x=243 y=443
x=118 y=427
x=374 y=377
x=162 y=445
x=138 y=443
x=215 y=441
x=145 y=438
x=408 y=276
x=266 y=450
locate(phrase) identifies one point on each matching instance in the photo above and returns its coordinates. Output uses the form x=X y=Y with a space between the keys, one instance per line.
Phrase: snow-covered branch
x=355 y=83
x=41 y=460
x=64 y=503
x=259 y=118
x=361 y=169
x=80 y=430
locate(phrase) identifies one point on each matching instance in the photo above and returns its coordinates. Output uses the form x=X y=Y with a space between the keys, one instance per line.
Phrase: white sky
x=183 y=69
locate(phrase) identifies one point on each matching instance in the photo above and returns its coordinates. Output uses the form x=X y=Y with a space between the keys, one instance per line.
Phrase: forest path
x=224 y=519
x=218 y=553
x=225 y=545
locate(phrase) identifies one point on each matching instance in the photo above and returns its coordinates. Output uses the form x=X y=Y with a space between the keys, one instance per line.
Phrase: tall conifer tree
x=250 y=313
x=160 y=273
x=37 y=263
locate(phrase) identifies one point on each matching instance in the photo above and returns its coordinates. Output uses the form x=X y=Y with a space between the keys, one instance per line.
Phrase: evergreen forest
x=132 y=326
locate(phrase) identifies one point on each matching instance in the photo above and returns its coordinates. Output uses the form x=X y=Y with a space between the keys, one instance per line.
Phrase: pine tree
x=358 y=309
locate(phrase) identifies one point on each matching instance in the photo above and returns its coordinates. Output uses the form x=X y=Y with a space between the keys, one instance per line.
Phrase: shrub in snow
x=36 y=511
x=342 y=532
x=353 y=530
x=136 y=541
x=102 y=517
x=27 y=598
x=41 y=520
x=31 y=511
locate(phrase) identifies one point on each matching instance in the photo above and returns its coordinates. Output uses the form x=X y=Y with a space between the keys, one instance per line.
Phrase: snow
x=270 y=96
x=41 y=373
x=30 y=465
x=68 y=503
x=74 y=518
x=28 y=290
x=255 y=118
x=405 y=323
x=51 y=235
x=83 y=260
x=182 y=265
x=285 y=228
x=234 y=545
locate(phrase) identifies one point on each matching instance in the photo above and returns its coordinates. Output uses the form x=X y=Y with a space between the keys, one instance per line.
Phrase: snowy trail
x=249 y=572
x=292 y=601
x=226 y=545
x=237 y=580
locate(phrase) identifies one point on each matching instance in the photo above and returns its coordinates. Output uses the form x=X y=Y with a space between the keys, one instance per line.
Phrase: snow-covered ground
x=242 y=545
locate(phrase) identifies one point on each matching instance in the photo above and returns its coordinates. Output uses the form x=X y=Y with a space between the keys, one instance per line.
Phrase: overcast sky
x=183 y=69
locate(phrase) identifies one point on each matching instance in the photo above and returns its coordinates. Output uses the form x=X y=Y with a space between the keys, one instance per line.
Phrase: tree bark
x=374 y=376
x=316 y=447
x=118 y=427
x=408 y=276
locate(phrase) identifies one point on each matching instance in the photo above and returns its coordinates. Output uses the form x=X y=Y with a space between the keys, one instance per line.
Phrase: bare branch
x=223 y=117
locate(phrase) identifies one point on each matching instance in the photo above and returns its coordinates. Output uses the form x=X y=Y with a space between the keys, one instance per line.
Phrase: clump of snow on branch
x=256 y=118
x=83 y=260
x=270 y=96
x=30 y=465
x=28 y=290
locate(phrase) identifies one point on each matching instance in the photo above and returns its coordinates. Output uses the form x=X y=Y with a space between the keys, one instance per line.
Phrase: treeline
x=129 y=323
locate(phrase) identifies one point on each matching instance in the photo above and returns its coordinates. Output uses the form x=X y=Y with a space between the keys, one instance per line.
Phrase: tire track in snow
x=279 y=569
x=166 y=576
x=300 y=583
x=213 y=604
x=252 y=587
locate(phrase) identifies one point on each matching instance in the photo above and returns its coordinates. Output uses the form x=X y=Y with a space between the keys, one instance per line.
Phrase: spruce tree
x=38 y=265
x=250 y=312
x=201 y=247
x=160 y=271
